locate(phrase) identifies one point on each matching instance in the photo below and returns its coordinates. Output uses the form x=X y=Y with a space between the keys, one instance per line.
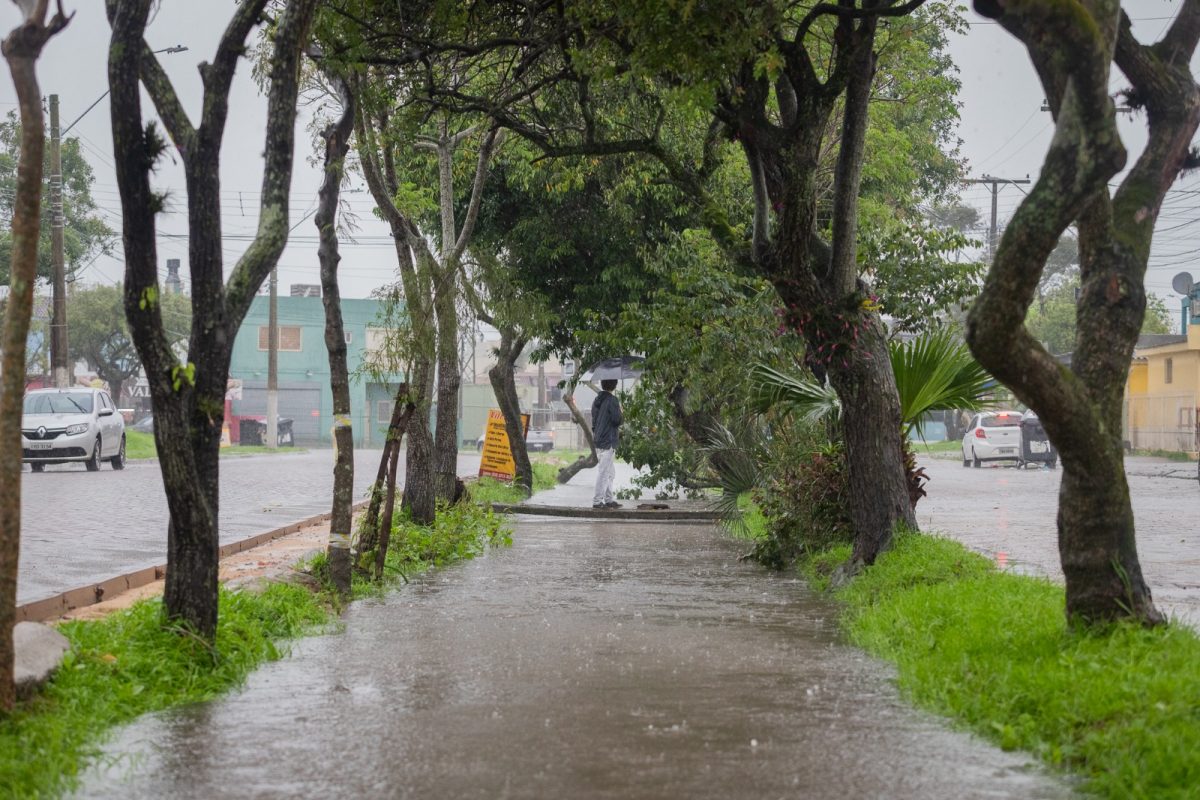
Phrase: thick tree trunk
x=1081 y=407
x=337 y=144
x=21 y=49
x=505 y=387
x=583 y=462
x=875 y=449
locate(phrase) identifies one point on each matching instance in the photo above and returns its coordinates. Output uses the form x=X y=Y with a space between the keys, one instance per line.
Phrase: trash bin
x=283 y=432
x=1036 y=447
x=252 y=432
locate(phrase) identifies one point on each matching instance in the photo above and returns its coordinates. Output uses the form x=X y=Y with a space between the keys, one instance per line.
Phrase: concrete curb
x=59 y=604
x=666 y=515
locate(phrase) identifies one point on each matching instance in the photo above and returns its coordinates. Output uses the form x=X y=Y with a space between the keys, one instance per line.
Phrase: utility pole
x=995 y=183
x=273 y=364
x=59 y=366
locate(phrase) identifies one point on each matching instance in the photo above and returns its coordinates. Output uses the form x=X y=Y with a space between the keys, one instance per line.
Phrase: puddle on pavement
x=590 y=660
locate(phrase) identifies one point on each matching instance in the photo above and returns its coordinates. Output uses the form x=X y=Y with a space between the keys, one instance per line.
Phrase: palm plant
x=934 y=372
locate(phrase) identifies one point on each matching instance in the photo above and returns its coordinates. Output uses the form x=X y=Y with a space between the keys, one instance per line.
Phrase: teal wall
x=304 y=393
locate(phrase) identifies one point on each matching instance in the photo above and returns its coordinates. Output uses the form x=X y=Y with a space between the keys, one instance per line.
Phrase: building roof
x=1148 y=340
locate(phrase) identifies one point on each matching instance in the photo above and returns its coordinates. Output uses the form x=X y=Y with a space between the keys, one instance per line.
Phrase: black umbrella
x=617 y=368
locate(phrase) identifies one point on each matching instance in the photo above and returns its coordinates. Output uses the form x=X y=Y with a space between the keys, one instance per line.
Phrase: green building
x=304 y=393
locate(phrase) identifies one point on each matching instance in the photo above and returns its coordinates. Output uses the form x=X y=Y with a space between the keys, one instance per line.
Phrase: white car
x=62 y=425
x=992 y=436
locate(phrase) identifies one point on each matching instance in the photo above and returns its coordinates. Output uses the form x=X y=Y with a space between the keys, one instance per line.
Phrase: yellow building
x=1161 y=392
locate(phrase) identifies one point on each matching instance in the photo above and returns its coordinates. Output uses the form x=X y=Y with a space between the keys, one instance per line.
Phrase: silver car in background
x=63 y=425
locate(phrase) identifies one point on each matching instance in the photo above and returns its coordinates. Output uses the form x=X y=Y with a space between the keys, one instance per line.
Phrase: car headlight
x=80 y=428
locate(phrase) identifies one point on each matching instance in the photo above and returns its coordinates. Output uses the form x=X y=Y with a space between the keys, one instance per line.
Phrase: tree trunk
x=420 y=491
x=1081 y=407
x=505 y=387
x=21 y=49
x=402 y=411
x=188 y=399
x=875 y=450
x=583 y=462
x=389 y=507
x=449 y=382
x=337 y=144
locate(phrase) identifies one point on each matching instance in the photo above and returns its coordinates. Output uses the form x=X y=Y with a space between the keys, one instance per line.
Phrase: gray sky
x=1004 y=134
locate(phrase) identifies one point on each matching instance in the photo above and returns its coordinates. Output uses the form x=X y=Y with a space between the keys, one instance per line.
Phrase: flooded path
x=590 y=660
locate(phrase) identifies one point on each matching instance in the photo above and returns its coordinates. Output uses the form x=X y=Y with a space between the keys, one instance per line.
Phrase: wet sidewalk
x=590 y=660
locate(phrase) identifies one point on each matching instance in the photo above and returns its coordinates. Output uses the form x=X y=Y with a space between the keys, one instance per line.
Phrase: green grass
x=1170 y=455
x=140 y=445
x=486 y=491
x=1119 y=706
x=954 y=446
x=129 y=664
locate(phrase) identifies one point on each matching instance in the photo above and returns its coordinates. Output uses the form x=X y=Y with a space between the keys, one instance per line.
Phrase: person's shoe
x=612 y=504
x=599 y=505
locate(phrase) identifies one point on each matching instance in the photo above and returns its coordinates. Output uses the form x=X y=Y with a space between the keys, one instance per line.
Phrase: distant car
x=63 y=425
x=535 y=441
x=144 y=425
x=992 y=436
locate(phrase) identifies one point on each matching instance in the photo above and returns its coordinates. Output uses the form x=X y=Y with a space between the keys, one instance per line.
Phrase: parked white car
x=992 y=436
x=62 y=425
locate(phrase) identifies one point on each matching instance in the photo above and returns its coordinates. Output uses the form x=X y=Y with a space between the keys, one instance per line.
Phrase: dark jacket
x=606 y=420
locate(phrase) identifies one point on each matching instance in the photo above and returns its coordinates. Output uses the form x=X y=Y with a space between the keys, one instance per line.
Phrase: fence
x=1161 y=422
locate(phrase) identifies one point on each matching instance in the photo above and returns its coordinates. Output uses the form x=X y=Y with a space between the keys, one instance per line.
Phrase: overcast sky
x=1004 y=132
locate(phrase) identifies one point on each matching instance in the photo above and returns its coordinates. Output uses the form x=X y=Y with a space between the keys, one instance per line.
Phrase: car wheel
x=1054 y=464
x=118 y=461
x=93 y=463
x=38 y=467
x=975 y=462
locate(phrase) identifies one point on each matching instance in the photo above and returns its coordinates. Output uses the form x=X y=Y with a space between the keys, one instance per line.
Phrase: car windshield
x=1001 y=421
x=59 y=403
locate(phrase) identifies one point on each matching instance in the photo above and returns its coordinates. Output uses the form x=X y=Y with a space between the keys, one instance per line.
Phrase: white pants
x=605 y=472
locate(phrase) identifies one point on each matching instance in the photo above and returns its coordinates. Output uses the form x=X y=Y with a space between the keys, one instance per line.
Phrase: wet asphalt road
x=590 y=660
x=80 y=527
x=1002 y=510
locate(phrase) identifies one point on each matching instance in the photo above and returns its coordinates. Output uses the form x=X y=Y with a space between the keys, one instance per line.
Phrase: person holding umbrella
x=606 y=424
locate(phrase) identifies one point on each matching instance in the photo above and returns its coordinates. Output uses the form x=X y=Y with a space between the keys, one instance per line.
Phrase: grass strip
x=131 y=663
x=1118 y=705
x=139 y=445
x=486 y=491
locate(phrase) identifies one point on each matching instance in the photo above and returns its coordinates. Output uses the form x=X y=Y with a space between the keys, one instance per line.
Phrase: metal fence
x=1161 y=422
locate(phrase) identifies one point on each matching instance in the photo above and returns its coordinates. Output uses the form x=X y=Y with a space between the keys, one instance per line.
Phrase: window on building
x=289 y=338
x=384 y=411
x=349 y=336
x=1169 y=368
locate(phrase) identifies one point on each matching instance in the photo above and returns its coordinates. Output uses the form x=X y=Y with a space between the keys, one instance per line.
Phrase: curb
x=80 y=597
x=665 y=515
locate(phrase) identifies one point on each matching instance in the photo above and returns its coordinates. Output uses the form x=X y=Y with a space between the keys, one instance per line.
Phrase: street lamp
x=59 y=365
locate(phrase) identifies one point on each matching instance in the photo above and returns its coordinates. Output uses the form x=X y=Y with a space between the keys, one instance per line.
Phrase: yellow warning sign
x=225 y=441
x=497 y=460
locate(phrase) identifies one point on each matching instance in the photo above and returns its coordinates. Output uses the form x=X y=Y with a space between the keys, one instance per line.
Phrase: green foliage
x=459 y=532
x=936 y=372
x=1051 y=317
x=1116 y=705
x=100 y=334
x=131 y=663
x=85 y=234
x=805 y=500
